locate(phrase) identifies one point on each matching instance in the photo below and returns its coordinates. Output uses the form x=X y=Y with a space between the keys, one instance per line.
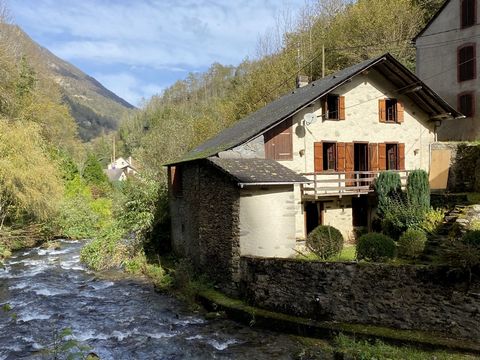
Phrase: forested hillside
x=96 y=109
x=197 y=108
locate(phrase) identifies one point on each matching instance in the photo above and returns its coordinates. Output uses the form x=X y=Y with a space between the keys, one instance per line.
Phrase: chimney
x=302 y=80
x=130 y=160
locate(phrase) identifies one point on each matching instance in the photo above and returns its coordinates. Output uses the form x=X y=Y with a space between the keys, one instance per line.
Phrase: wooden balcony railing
x=342 y=183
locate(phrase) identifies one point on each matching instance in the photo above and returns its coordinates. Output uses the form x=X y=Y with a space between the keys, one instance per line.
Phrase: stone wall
x=205 y=223
x=464 y=173
x=405 y=297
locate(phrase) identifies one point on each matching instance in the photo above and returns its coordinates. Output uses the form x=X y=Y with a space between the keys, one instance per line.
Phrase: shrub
x=412 y=243
x=387 y=184
x=325 y=241
x=400 y=215
x=432 y=220
x=418 y=189
x=375 y=247
x=464 y=253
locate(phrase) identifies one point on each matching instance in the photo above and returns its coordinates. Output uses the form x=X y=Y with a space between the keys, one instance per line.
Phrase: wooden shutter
x=340 y=157
x=400 y=112
x=382 y=110
x=373 y=157
x=341 y=108
x=349 y=162
x=278 y=142
x=382 y=156
x=318 y=157
x=401 y=156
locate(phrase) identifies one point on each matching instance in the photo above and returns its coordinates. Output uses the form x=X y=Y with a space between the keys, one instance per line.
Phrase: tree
x=93 y=173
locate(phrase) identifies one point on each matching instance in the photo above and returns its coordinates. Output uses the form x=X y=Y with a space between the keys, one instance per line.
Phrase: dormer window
x=468 y=13
x=333 y=107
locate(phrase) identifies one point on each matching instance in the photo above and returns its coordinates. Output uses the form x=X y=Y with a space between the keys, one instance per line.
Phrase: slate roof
x=257 y=171
x=284 y=107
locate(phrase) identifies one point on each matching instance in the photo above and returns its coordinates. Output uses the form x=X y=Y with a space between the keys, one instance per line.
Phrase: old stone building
x=337 y=133
x=447 y=62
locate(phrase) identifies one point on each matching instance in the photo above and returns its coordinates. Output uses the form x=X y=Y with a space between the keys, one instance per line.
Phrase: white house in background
x=305 y=159
x=447 y=62
x=120 y=169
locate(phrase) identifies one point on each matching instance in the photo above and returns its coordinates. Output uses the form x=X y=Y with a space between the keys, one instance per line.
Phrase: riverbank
x=417 y=344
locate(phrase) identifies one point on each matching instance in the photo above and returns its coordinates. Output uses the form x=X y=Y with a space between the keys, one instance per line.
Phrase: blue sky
x=136 y=48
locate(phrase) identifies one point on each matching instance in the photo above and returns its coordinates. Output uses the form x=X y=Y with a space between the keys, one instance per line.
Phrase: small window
x=332 y=106
x=329 y=156
x=391 y=110
x=392 y=156
x=466 y=104
x=468 y=10
x=466 y=63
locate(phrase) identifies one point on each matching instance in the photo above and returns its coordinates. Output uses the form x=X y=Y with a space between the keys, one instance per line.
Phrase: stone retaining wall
x=406 y=297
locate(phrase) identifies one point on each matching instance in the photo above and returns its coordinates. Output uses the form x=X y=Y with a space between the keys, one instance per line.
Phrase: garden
x=407 y=229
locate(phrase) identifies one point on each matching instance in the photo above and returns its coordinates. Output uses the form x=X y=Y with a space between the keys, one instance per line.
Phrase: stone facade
x=205 y=223
x=405 y=297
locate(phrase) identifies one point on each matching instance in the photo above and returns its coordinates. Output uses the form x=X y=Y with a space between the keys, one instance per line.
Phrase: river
x=117 y=317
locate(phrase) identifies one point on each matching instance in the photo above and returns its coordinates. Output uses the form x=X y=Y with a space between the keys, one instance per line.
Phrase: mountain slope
x=95 y=108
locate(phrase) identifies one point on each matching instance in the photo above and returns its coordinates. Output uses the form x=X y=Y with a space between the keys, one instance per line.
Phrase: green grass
x=347 y=254
x=369 y=350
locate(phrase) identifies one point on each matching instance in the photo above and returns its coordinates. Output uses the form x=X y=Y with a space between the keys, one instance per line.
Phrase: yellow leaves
x=27 y=176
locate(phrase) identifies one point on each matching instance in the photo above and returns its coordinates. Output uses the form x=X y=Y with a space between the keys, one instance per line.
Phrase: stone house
x=446 y=61
x=305 y=159
x=119 y=169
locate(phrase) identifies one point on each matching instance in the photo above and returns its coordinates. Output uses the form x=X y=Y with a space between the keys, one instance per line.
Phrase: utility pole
x=323 y=60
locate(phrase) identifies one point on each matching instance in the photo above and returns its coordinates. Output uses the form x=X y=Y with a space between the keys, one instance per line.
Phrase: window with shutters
x=278 y=142
x=466 y=104
x=333 y=107
x=468 y=13
x=329 y=156
x=466 y=63
x=390 y=111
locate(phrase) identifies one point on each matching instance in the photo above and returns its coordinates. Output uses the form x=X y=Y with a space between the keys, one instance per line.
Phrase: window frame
x=463 y=63
x=397 y=157
x=473 y=107
x=392 y=104
x=333 y=99
x=329 y=147
x=465 y=25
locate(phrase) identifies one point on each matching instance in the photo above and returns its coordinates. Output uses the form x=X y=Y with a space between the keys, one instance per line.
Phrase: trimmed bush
x=387 y=184
x=418 y=189
x=325 y=241
x=375 y=247
x=412 y=243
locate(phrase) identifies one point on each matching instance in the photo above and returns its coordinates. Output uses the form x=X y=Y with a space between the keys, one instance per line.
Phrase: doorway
x=360 y=160
x=313 y=215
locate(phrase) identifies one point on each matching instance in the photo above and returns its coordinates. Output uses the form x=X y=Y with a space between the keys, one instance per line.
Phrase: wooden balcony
x=340 y=184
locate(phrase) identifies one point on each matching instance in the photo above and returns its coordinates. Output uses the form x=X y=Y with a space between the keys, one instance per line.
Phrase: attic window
x=466 y=104
x=333 y=107
x=468 y=13
x=390 y=111
x=466 y=63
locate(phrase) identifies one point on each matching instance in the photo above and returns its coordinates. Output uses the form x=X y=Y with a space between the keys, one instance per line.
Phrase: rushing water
x=118 y=318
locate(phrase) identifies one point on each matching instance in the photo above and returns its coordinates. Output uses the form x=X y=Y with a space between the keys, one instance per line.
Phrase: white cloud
x=156 y=34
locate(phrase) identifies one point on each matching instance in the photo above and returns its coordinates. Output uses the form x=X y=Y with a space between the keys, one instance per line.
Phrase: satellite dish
x=309 y=118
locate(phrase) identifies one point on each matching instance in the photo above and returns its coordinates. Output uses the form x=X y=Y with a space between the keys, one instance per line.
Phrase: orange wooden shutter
x=382 y=110
x=401 y=156
x=341 y=108
x=340 y=157
x=373 y=157
x=382 y=156
x=349 y=149
x=318 y=156
x=400 y=112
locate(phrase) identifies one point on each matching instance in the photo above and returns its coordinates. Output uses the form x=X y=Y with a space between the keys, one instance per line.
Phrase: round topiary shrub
x=325 y=241
x=412 y=243
x=375 y=247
